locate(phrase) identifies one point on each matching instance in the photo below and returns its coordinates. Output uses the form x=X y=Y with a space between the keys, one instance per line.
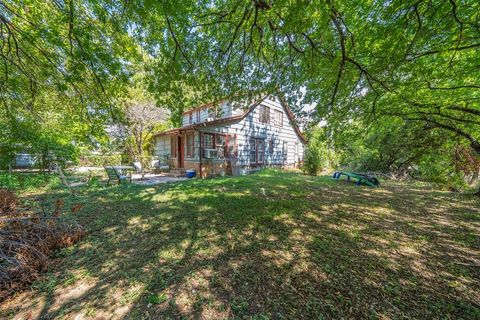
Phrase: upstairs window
x=190 y=118
x=212 y=113
x=278 y=118
x=264 y=114
x=198 y=116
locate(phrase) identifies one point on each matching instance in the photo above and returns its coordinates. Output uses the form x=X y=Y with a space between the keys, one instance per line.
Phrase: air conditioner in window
x=210 y=119
x=210 y=153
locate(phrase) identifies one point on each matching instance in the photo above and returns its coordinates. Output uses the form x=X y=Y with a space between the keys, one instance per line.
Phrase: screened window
x=218 y=142
x=173 y=146
x=198 y=116
x=208 y=140
x=260 y=150
x=190 y=144
x=190 y=118
x=264 y=114
x=257 y=150
x=253 y=151
x=278 y=118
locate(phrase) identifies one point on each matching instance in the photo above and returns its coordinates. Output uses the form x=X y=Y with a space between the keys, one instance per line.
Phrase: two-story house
x=218 y=136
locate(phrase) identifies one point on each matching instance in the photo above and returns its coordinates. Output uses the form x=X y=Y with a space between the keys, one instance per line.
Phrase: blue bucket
x=190 y=173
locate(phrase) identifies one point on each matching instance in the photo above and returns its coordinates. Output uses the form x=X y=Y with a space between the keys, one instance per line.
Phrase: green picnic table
x=368 y=180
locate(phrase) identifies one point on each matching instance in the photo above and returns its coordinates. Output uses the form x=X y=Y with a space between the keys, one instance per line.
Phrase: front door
x=180 y=151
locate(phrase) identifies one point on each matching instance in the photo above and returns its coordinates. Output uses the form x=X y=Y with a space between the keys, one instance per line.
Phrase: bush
x=23 y=181
x=317 y=154
x=313 y=162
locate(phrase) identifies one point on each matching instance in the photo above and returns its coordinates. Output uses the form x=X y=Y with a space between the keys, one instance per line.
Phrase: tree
x=142 y=118
x=62 y=64
x=413 y=60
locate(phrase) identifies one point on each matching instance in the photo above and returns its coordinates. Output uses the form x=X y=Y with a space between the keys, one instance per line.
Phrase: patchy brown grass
x=309 y=248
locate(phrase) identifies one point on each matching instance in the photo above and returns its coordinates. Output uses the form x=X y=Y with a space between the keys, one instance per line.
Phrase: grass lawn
x=271 y=245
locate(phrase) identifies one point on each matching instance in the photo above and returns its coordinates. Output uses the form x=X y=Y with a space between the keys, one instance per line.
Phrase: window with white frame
x=260 y=150
x=264 y=114
x=285 y=151
x=278 y=118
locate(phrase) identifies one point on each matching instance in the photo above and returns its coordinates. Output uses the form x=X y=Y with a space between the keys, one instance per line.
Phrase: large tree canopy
x=360 y=63
x=417 y=60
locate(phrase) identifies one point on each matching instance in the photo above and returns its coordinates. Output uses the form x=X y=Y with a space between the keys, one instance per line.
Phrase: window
x=211 y=112
x=190 y=144
x=264 y=114
x=253 y=151
x=198 y=116
x=219 y=142
x=257 y=150
x=260 y=150
x=190 y=118
x=231 y=145
x=278 y=118
x=208 y=141
x=270 y=146
x=285 y=150
x=173 y=146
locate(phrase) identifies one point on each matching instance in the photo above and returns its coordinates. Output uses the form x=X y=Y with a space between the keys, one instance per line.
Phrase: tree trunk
x=476 y=147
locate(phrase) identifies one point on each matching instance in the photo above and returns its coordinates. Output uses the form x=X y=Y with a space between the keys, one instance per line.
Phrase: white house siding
x=248 y=127
x=225 y=111
x=251 y=126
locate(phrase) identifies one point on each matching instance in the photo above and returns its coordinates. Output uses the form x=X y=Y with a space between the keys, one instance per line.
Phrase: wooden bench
x=115 y=175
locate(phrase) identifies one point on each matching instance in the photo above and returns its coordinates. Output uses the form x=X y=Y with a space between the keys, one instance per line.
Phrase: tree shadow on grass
x=302 y=247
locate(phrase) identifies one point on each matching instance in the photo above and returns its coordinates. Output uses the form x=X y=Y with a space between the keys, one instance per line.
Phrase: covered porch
x=206 y=151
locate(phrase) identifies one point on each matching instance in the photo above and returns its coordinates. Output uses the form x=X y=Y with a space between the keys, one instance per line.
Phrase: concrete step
x=179 y=172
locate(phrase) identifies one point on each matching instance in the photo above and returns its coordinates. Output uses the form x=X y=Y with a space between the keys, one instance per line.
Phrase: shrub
x=23 y=181
x=317 y=154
